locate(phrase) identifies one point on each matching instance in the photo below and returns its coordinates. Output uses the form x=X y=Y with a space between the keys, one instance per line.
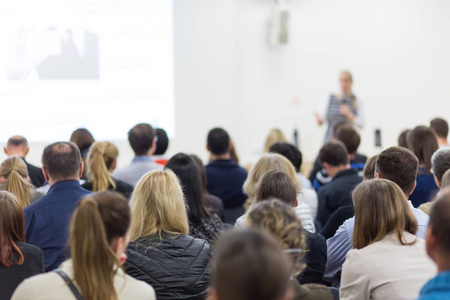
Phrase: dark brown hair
x=141 y=138
x=82 y=138
x=290 y=152
x=62 y=160
x=399 y=165
x=333 y=153
x=423 y=143
x=218 y=141
x=369 y=168
x=249 y=265
x=349 y=137
x=402 y=138
x=12 y=230
x=276 y=184
x=440 y=220
x=440 y=127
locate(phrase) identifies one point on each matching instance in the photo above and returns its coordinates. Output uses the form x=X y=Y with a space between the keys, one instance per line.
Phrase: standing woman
x=14 y=179
x=101 y=162
x=18 y=260
x=343 y=107
x=98 y=239
x=202 y=223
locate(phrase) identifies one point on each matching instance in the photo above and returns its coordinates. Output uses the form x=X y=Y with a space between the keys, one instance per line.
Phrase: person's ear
x=5 y=150
x=415 y=184
x=25 y=151
x=113 y=166
x=296 y=202
x=2 y=179
x=430 y=242
x=44 y=172
x=438 y=184
x=212 y=294
x=377 y=176
x=80 y=174
x=207 y=148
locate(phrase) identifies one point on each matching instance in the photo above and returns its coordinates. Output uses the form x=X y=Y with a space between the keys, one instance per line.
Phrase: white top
x=50 y=286
x=386 y=270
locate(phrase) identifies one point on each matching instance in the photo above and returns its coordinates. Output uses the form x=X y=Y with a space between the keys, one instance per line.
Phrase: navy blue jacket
x=47 y=220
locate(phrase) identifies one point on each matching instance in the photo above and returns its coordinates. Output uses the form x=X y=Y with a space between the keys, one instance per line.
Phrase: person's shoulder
x=29 y=249
x=35 y=286
x=139 y=289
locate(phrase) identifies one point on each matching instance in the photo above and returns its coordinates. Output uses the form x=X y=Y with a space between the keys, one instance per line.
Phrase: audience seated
x=273 y=161
x=440 y=163
x=18 y=146
x=47 y=219
x=369 y=168
x=18 y=260
x=440 y=127
x=101 y=163
x=14 y=179
x=98 y=239
x=275 y=136
x=389 y=261
x=279 y=219
x=142 y=140
x=438 y=248
x=308 y=194
x=402 y=138
x=224 y=176
x=162 y=143
x=423 y=143
x=399 y=165
x=160 y=252
x=336 y=194
x=249 y=265
x=212 y=203
x=202 y=224
x=83 y=139
x=445 y=182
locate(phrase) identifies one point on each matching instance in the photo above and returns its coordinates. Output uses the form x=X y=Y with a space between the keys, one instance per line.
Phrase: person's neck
x=335 y=170
x=442 y=141
x=53 y=181
x=16 y=153
x=222 y=156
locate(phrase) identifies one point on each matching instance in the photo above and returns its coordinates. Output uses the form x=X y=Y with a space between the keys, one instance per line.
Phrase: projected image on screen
x=104 y=65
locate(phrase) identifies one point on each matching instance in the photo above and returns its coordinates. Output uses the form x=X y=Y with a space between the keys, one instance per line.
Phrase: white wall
x=227 y=75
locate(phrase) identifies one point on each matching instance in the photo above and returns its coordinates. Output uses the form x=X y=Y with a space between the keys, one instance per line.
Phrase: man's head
x=218 y=141
x=17 y=146
x=290 y=152
x=348 y=135
x=399 y=165
x=440 y=127
x=249 y=265
x=162 y=143
x=276 y=184
x=61 y=161
x=334 y=157
x=440 y=163
x=142 y=139
x=438 y=231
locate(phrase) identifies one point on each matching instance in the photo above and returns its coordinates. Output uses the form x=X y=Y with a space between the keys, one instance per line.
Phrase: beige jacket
x=386 y=270
x=51 y=286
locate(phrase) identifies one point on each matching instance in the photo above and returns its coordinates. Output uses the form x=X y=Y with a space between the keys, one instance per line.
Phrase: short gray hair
x=440 y=162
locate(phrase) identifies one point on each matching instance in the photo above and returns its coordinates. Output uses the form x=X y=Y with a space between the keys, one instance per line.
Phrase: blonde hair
x=101 y=156
x=279 y=219
x=381 y=208
x=348 y=74
x=157 y=206
x=97 y=222
x=275 y=136
x=269 y=161
x=14 y=170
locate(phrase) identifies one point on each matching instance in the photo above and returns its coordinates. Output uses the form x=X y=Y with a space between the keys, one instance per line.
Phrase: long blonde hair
x=269 y=161
x=381 y=208
x=275 y=136
x=96 y=223
x=14 y=170
x=101 y=156
x=157 y=206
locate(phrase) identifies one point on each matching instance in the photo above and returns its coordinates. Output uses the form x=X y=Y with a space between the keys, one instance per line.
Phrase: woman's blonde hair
x=280 y=220
x=99 y=220
x=275 y=136
x=381 y=208
x=158 y=206
x=269 y=161
x=14 y=170
x=101 y=157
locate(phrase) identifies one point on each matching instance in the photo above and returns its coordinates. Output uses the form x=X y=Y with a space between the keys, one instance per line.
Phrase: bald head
x=17 y=146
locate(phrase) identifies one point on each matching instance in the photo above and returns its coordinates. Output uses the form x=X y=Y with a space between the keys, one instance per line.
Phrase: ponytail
x=14 y=170
x=94 y=261
x=101 y=157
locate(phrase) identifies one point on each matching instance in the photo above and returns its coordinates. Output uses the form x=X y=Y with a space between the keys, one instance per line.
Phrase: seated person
x=18 y=260
x=224 y=176
x=438 y=248
x=389 y=261
x=249 y=265
x=308 y=194
x=101 y=163
x=399 y=165
x=98 y=238
x=142 y=140
x=369 y=168
x=273 y=161
x=440 y=127
x=161 y=252
x=161 y=146
x=423 y=143
x=336 y=194
x=83 y=139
